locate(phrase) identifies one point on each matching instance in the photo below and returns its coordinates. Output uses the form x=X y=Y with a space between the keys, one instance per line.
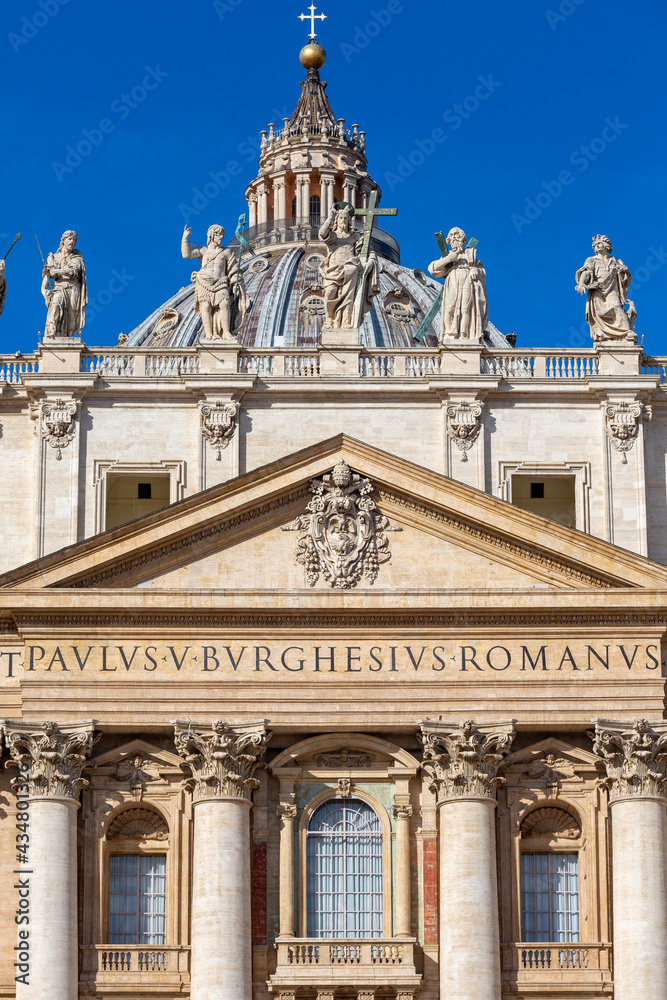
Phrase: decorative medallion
x=622 y=422
x=343 y=535
x=463 y=425
x=258 y=265
x=337 y=759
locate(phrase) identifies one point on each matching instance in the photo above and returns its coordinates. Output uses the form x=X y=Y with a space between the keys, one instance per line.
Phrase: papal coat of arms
x=343 y=535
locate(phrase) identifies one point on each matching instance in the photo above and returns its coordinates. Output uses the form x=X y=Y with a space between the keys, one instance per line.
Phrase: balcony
x=564 y=969
x=109 y=968
x=358 y=963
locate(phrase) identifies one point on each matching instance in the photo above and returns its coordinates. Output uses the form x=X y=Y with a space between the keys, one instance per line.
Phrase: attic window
x=131 y=496
x=549 y=495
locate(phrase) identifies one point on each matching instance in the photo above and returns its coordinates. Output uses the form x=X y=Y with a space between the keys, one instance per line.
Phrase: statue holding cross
x=351 y=273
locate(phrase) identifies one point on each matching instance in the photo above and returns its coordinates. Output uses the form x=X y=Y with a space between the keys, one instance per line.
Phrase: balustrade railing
x=11 y=368
x=557 y=962
x=540 y=364
x=359 y=952
x=269 y=364
x=121 y=363
x=655 y=366
x=106 y=964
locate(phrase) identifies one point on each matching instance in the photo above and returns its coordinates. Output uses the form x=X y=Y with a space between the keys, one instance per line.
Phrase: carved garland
x=463 y=425
x=622 y=422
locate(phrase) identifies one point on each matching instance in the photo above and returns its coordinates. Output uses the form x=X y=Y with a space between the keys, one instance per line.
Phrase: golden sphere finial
x=312 y=56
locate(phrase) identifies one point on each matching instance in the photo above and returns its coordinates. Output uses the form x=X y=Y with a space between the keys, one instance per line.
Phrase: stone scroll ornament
x=50 y=757
x=223 y=759
x=622 y=422
x=632 y=757
x=342 y=537
x=58 y=424
x=463 y=761
x=218 y=422
x=463 y=425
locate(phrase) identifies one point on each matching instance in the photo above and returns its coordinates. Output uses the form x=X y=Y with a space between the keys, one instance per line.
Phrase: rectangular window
x=137 y=898
x=551 y=496
x=550 y=897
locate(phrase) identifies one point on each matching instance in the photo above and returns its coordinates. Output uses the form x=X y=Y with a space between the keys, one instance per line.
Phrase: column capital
x=401 y=811
x=286 y=811
x=50 y=758
x=222 y=757
x=463 y=760
x=632 y=757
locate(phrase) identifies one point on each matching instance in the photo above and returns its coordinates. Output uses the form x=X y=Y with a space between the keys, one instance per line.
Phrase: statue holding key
x=465 y=307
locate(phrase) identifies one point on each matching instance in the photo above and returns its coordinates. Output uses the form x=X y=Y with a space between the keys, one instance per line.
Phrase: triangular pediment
x=451 y=536
x=551 y=755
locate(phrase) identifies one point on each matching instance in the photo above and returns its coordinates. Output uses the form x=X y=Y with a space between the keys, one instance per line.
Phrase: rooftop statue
x=66 y=298
x=220 y=297
x=465 y=307
x=346 y=276
x=605 y=279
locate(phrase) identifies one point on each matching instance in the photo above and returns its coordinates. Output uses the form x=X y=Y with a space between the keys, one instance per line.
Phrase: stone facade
x=397 y=580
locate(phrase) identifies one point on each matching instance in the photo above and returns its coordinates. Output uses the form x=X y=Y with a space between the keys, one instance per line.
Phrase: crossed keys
x=313 y=17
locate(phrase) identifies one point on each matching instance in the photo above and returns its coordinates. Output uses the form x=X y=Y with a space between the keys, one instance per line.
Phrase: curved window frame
x=386 y=831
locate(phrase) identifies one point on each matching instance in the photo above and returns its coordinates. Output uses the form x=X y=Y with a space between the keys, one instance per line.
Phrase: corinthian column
x=633 y=758
x=223 y=760
x=463 y=763
x=50 y=760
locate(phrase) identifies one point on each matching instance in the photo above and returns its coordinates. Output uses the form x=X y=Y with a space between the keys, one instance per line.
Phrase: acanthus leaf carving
x=218 y=423
x=50 y=758
x=342 y=537
x=58 y=420
x=463 y=761
x=633 y=757
x=223 y=758
x=463 y=425
x=343 y=758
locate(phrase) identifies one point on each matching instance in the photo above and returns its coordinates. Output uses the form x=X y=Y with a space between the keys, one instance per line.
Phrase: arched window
x=550 y=878
x=137 y=878
x=314 y=209
x=293 y=209
x=344 y=871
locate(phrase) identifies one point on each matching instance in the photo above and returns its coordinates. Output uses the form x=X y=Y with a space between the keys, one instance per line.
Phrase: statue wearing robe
x=216 y=284
x=605 y=280
x=343 y=271
x=465 y=307
x=66 y=299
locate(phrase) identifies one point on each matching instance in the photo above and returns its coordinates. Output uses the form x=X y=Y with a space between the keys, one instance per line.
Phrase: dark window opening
x=144 y=491
x=537 y=491
x=314 y=209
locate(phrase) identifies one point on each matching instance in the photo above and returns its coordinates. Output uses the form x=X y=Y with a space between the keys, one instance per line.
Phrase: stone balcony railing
x=512 y=365
x=559 y=967
x=123 y=967
x=353 y=962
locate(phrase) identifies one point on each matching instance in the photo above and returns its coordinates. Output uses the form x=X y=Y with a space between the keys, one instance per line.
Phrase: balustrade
x=348 y=952
x=11 y=369
x=568 y=965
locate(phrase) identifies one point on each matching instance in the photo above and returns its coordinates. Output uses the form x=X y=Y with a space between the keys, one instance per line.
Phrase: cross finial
x=312 y=17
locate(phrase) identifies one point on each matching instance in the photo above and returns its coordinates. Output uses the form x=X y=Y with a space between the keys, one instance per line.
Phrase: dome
x=287 y=308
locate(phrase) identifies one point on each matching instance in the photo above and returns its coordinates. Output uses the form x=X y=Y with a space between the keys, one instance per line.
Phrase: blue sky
x=559 y=134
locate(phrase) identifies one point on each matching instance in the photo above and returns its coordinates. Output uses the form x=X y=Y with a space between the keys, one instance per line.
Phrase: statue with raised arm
x=3 y=286
x=346 y=278
x=605 y=280
x=220 y=297
x=465 y=307
x=64 y=289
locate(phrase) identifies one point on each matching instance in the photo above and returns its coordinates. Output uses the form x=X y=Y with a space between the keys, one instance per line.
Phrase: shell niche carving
x=550 y=824
x=138 y=824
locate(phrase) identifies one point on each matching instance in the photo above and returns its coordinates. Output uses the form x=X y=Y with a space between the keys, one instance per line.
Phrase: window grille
x=344 y=871
x=137 y=898
x=550 y=897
